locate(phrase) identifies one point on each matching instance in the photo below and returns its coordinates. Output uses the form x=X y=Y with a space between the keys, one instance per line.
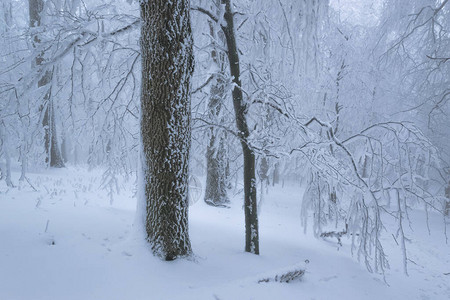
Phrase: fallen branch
x=335 y=234
x=286 y=277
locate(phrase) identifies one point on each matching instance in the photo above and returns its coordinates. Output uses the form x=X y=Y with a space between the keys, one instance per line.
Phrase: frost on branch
x=356 y=183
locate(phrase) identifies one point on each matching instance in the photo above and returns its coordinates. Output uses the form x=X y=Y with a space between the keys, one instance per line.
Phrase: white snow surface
x=66 y=241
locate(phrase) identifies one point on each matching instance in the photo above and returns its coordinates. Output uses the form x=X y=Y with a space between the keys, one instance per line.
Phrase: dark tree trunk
x=53 y=154
x=240 y=109
x=216 y=155
x=167 y=65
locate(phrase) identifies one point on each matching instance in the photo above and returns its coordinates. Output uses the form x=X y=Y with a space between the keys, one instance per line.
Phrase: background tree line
x=281 y=91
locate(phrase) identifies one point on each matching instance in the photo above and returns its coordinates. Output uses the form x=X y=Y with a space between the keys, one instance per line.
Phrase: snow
x=66 y=241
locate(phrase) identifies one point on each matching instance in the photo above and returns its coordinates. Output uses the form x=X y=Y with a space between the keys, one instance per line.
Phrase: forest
x=224 y=149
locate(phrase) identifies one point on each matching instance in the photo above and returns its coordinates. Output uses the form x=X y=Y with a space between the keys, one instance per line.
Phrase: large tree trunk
x=216 y=154
x=53 y=153
x=240 y=109
x=167 y=65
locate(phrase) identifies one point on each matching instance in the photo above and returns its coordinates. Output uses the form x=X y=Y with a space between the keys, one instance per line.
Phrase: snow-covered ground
x=66 y=241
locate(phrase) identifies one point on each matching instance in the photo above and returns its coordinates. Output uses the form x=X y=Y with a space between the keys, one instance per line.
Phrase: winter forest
x=224 y=149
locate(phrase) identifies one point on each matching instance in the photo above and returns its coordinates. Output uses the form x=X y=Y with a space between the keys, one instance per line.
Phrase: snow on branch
x=383 y=169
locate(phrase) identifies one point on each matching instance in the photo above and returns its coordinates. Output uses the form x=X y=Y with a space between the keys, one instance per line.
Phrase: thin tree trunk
x=64 y=150
x=447 y=203
x=216 y=155
x=53 y=157
x=240 y=109
x=216 y=183
x=5 y=172
x=167 y=65
x=276 y=174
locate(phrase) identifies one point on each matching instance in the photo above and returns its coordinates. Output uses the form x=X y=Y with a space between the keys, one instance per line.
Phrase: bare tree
x=240 y=110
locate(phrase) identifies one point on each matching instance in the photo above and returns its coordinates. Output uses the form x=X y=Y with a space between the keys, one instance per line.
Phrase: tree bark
x=167 y=65
x=240 y=109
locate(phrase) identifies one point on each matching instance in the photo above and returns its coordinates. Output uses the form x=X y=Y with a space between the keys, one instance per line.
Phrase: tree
x=447 y=202
x=382 y=161
x=414 y=40
x=5 y=172
x=54 y=159
x=240 y=110
x=216 y=154
x=167 y=65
